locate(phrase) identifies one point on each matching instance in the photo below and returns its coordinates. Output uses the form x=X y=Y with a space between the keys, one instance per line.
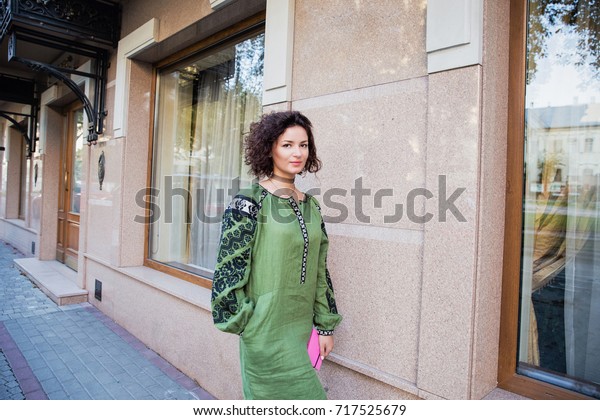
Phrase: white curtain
x=168 y=233
x=204 y=109
x=224 y=114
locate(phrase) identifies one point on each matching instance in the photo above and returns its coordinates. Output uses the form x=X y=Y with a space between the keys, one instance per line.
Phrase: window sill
x=538 y=390
x=20 y=223
x=181 y=289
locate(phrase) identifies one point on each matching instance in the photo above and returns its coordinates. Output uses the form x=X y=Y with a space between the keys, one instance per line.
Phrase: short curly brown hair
x=263 y=133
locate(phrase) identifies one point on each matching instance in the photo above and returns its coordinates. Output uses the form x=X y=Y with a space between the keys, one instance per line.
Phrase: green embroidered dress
x=270 y=286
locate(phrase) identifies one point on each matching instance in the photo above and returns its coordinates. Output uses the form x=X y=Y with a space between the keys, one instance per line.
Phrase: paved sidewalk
x=74 y=352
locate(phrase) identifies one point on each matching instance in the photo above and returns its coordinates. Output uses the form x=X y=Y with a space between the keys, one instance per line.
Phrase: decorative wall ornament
x=101 y=168
x=67 y=63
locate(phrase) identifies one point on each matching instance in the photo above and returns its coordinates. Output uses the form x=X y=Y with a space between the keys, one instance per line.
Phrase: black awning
x=17 y=89
x=23 y=91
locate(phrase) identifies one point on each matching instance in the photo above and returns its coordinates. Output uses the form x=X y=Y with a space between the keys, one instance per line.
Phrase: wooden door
x=71 y=178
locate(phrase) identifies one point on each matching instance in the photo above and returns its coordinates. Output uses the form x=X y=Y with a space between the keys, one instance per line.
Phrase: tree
x=579 y=18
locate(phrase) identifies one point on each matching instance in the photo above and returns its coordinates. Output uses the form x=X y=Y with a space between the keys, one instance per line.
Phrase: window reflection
x=76 y=170
x=204 y=108
x=560 y=308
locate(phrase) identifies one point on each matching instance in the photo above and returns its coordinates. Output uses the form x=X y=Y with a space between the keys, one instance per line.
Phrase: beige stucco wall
x=113 y=236
x=342 y=45
x=420 y=301
x=51 y=132
x=369 y=107
x=437 y=284
x=367 y=99
x=492 y=186
x=449 y=246
x=174 y=16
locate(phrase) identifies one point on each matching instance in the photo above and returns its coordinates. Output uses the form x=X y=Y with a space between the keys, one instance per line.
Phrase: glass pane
x=76 y=169
x=204 y=107
x=559 y=340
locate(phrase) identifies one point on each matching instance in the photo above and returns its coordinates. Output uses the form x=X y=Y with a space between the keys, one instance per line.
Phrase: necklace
x=283 y=179
x=294 y=192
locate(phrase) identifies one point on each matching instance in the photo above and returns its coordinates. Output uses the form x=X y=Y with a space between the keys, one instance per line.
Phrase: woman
x=271 y=283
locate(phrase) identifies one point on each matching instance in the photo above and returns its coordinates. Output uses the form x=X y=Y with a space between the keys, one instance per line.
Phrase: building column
x=279 y=48
x=14 y=154
x=51 y=132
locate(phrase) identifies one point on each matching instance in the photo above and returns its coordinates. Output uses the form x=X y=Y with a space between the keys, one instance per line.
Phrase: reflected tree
x=249 y=65
x=579 y=18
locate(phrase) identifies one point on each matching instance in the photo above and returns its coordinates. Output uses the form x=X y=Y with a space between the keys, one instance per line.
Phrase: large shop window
x=559 y=317
x=204 y=106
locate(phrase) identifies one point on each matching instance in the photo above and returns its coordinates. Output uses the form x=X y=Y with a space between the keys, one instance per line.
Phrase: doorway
x=67 y=247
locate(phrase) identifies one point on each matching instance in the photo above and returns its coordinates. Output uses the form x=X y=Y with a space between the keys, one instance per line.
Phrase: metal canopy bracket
x=19 y=90
x=30 y=144
x=83 y=27
x=94 y=109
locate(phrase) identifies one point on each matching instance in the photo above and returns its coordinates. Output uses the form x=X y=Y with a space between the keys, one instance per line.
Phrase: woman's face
x=290 y=152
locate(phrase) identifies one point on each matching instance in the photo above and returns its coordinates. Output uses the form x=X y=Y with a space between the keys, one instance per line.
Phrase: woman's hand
x=326 y=345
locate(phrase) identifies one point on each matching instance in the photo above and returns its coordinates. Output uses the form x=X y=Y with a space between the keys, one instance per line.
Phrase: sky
x=557 y=83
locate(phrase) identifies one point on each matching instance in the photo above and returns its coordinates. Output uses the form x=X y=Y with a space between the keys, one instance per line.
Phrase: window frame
x=508 y=378
x=244 y=29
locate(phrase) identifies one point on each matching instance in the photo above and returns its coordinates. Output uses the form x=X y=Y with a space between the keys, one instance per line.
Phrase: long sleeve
x=231 y=308
x=326 y=316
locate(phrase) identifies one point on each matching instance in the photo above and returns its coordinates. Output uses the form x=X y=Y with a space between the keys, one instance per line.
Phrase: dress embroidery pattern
x=329 y=291
x=329 y=294
x=233 y=239
x=232 y=269
x=244 y=206
x=304 y=236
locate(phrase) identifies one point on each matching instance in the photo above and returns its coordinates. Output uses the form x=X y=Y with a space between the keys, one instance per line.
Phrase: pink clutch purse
x=314 y=351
